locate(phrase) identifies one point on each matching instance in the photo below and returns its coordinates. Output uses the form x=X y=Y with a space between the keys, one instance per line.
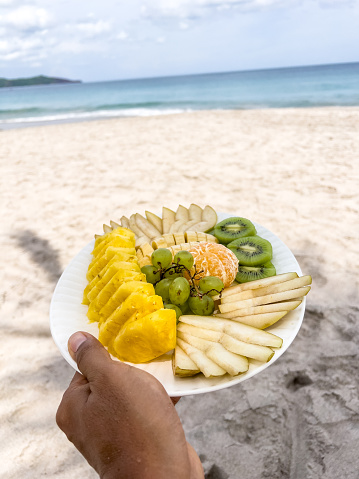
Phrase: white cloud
x=93 y=29
x=122 y=35
x=26 y=19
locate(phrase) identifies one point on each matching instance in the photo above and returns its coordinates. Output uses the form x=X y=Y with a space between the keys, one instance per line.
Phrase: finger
x=91 y=357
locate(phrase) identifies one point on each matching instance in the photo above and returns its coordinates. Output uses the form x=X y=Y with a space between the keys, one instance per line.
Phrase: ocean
x=311 y=86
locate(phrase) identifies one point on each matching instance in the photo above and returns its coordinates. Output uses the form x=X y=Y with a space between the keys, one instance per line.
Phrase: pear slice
x=208 y=367
x=140 y=240
x=134 y=227
x=255 y=310
x=260 y=321
x=269 y=298
x=182 y=364
x=253 y=351
x=177 y=226
x=207 y=334
x=259 y=283
x=155 y=220
x=188 y=226
x=107 y=229
x=195 y=212
x=232 y=363
x=182 y=214
x=146 y=227
x=274 y=288
x=240 y=331
x=210 y=216
x=114 y=225
x=125 y=222
x=202 y=226
x=168 y=218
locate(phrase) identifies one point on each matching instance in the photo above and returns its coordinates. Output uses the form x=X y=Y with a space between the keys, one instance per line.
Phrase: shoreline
x=69 y=121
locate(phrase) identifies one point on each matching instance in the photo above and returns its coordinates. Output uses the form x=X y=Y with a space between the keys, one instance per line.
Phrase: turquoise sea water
x=312 y=86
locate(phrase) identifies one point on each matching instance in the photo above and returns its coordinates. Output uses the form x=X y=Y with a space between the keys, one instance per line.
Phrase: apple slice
x=240 y=331
x=266 y=308
x=259 y=283
x=182 y=364
x=188 y=226
x=107 y=229
x=269 y=298
x=195 y=212
x=232 y=363
x=260 y=321
x=253 y=351
x=182 y=214
x=168 y=218
x=207 y=334
x=274 y=288
x=208 y=367
x=146 y=227
x=155 y=220
x=125 y=222
x=210 y=217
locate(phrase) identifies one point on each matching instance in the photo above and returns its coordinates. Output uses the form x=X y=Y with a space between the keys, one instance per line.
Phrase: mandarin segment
x=212 y=259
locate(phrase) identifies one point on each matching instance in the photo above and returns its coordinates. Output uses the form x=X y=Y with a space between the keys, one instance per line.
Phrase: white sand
x=294 y=171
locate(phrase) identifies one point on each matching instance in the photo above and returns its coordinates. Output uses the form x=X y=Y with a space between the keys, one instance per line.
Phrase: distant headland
x=39 y=80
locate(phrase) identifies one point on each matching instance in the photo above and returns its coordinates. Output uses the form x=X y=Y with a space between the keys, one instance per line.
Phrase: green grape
x=201 y=306
x=209 y=283
x=152 y=273
x=179 y=291
x=176 y=308
x=161 y=289
x=161 y=258
x=185 y=308
x=171 y=273
x=184 y=258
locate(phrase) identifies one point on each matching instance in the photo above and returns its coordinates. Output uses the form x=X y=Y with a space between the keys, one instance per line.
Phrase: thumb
x=91 y=357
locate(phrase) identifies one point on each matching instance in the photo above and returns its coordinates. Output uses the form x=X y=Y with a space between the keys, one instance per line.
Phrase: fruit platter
x=201 y=300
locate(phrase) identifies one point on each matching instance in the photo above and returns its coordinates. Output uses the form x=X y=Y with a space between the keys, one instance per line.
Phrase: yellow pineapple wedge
x=145 y=339
x=111 y=270
x=138 y=304
x=98 y=263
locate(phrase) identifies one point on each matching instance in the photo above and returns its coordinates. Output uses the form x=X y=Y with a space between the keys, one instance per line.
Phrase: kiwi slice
x=251 y=250
x=251 y=273
x=233 y=228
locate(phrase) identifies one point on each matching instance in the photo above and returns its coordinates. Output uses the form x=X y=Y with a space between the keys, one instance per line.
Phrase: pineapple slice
x=123 y=254
x=145 y=339
x=112 y=240
x=136 y=303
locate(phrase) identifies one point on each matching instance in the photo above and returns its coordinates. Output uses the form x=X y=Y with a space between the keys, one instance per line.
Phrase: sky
x=97 y=40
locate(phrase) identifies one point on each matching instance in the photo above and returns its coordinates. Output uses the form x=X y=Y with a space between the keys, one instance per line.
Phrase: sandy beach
x=294 y=171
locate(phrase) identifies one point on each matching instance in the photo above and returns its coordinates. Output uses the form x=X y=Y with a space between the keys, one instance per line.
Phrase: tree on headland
x=38 y=80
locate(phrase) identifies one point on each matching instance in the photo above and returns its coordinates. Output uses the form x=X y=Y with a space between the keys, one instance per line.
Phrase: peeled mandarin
x=215 y=260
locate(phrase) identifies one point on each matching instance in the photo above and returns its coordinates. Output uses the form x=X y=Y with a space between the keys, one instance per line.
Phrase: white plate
x=68 y=315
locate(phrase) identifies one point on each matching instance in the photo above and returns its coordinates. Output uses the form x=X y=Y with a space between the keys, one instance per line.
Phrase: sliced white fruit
x=274 y=288
x=201 y=236
x=168 y=218
x=191 y=236
x=182 y=214
x=179 y=238
x=182 y=364
x=188 y=226
x=146 y=249
x=270 y=298
x=232 y=363
x=169 y=239
x=107 y=229
x=125 y=222
x=177 y=226
x=208 y=367
x=159 y=243
x=210 y=217
x=155 y=220
x=207 y=334
x=202 y=226
x=259 y=283
x=195 y=212
x=211 y=238
x=240 y=331
x=261 y=353
x=140 y=240
x=260 y=321
x=114 y=225
x=266 y=308
x=146 y=227
x=133 y=226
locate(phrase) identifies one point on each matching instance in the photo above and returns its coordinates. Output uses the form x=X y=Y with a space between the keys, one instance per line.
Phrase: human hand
x=121 y=419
